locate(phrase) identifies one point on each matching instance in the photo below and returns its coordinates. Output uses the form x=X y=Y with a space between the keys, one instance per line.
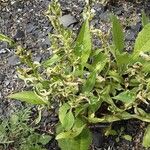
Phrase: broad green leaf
x=70 y=134
x=146 y=138
x=145 y=19
x=83 y=43
x=127 y=137
x=142 y=43
x=146 y=67
x=115 y=75
x=68 y=121
x=44 y=139
x=117 y=33
x=62 y=112
x=4 y=38
x=99 y=62
x=29 y=97
x=55 y=58
x=81 y=142
x=127 y=97
x=90 y=82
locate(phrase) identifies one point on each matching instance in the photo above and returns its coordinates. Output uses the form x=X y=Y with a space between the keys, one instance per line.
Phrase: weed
x=91 y=85
x=17 y=133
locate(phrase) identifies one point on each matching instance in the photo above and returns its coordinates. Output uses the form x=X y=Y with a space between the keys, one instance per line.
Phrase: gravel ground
x=24 y=20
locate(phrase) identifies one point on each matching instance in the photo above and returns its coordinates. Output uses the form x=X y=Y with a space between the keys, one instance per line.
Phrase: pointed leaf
x=117 y=32
x=55 y=58
x=90 y=82
x=126 y=97
x=68 y=121
x=99 y=62
x=83 y=43
x=81 y=142
x=146 y=138
x=29 y=97
x=145 y=19
x=142 y=43
x=4 y=38
x=70 y=134
x=63 y=111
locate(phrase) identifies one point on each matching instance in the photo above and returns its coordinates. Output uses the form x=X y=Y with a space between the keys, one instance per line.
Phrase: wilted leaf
x=126 y=97
x=83 y=43
x=146 y=138
x=29 y=97
x=117 y=32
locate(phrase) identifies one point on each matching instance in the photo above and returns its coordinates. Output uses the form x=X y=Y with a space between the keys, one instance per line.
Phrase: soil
x=25 y=21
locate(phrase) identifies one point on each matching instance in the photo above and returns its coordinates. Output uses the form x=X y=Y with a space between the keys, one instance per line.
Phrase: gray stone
x=67 y=20
x=2 y=77
x=30 y=27
x=13 y=60
x=19 y=34
x=130 y=36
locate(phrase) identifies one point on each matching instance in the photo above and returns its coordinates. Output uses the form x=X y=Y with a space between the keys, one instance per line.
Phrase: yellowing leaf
x=29 y=97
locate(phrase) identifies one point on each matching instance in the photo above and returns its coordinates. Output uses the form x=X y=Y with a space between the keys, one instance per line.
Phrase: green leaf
x=70 y=134
x=146 y=67
x=127 y=97
x=68 y=121
x=117 y=33
x=145 y=19
x=115 y=75
x=81 y=142
x=83 y=43
x=29 y=97
x=127 y=137
x=55 y=58
x=142 y=43
x=99 y=62
x=4 y=38
x=44 y=139
x=90 y=82
x=63 y=111
x=146 y=138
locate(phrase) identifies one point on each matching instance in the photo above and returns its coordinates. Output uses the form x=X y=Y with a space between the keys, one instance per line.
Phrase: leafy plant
x=15 y=132
x=84 y=80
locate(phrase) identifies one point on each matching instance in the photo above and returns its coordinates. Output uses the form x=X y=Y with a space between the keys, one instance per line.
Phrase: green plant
x=16 y=133
x=91 y=85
